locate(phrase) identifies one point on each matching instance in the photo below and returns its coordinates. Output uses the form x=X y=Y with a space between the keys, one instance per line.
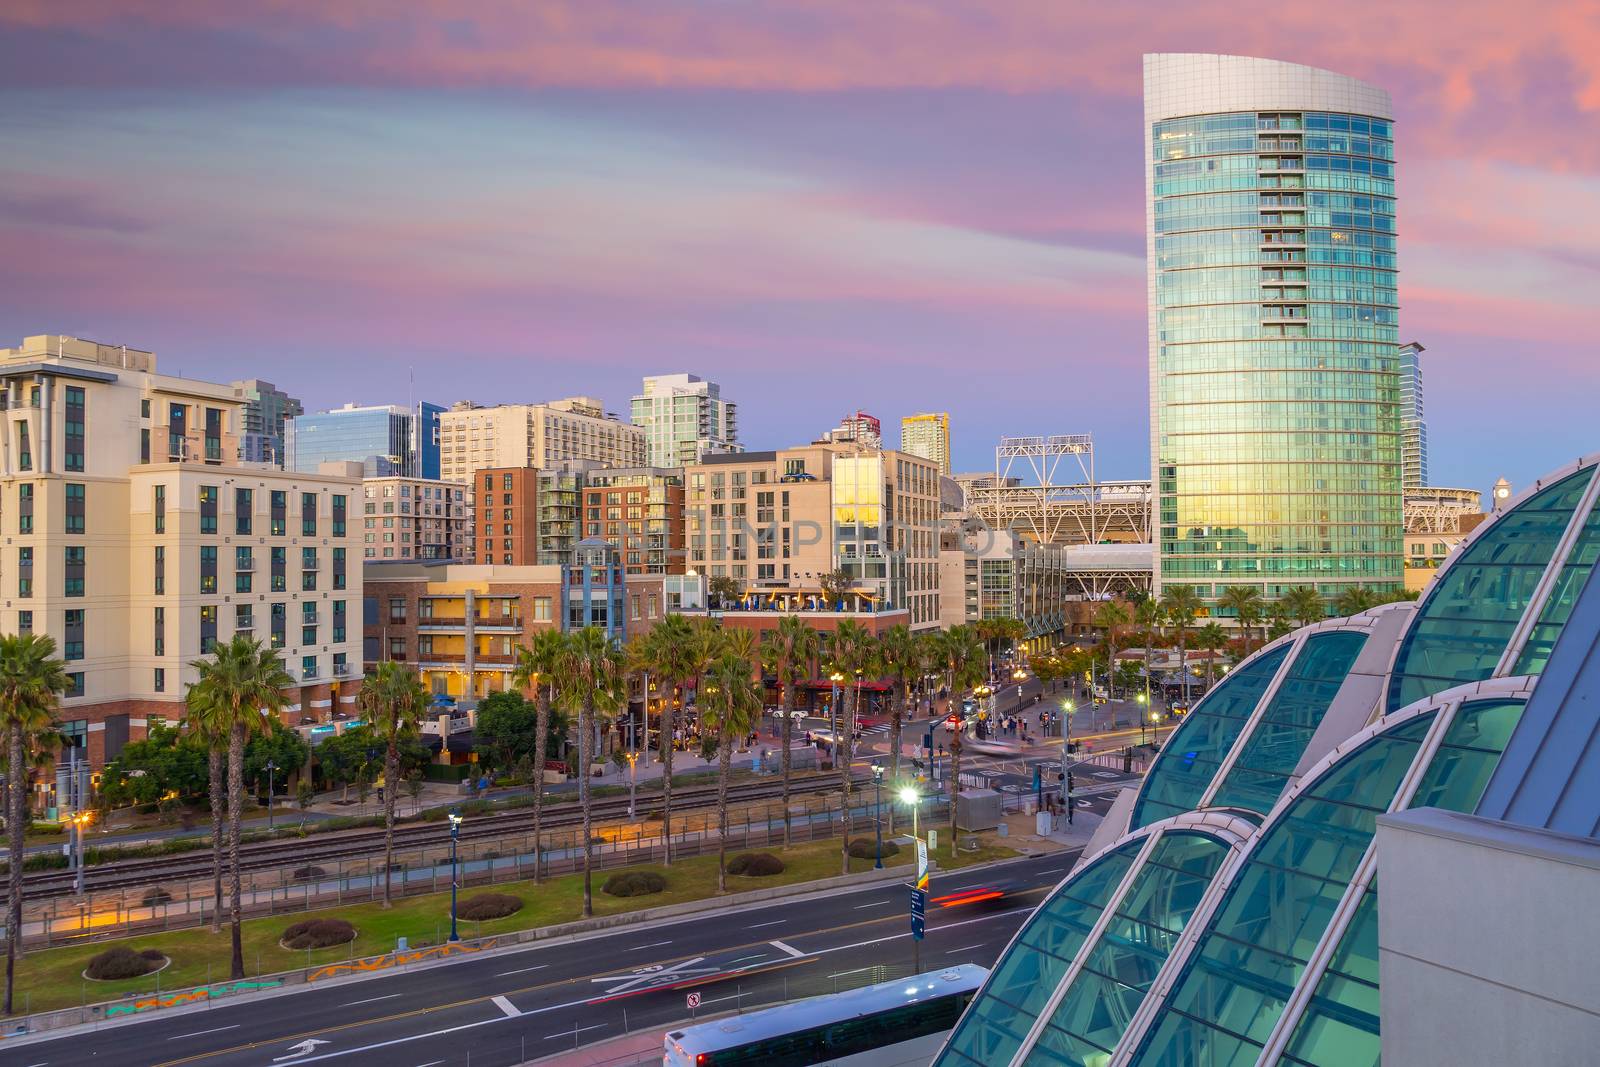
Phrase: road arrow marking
x=304 y=1048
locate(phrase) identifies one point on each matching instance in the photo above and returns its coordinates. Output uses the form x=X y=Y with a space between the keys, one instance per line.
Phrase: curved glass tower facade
x=1274 y=347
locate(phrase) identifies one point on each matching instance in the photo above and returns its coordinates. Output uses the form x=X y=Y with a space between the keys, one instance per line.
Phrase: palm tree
x=1181 y=604
x=393 y=702
x=851 y=650
x=902 y=655
x=242 y=683
x=1277 y=619
x=538 y=665
x=31 y=683
x=1245 y=603
x=670 y=645
x=592 y=678
x=1108 y=617
x=1354 y=599
x=961 y=658
x=731 y=707
x=788 y=654
x=1147 y=613
x=1213 y=638
x=1305 y=605
x=209 y=731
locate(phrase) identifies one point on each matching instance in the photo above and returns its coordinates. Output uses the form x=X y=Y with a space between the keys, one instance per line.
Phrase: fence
x=1131 y=759
x=311 y=884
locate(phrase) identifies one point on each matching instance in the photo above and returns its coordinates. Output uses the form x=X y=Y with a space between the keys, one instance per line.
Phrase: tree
x=1245 y=603
x=852 y=651
x=506 y=731
x=242 y=685
x=788 y=654
x=1147 y=613
x=1213 y=638
x=393 y=701
x=902 y=657
x=1181 y=604
x=730 y=709
x=1278 y=622
x=668 y=650
x=723 y=590
x=835 y=584
x=592 y=684
x=146 y=770
x=1354 y=599
x=32 y=681
x=1305 y=605
x=961 y=657
x=207 y=727
x=278 y=745
x=539 y=664
x=1109 y=617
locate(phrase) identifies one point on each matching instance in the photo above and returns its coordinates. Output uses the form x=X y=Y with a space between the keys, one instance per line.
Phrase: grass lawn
x=53 y=978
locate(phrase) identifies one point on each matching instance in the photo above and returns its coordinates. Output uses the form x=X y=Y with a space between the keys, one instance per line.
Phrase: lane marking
x=775 y=922
x=374 y=1000
x=579 y=1030
x=641 y=948
x=511 y=1010
x=430 y=1063
x=523 y=970
x=964 y=948
x=199 y=1033
x=874 y=904
x=790 y=949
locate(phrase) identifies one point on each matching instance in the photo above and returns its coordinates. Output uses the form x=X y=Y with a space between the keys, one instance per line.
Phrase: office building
x=927 y=435
x=858 y=428
x=641 y=512
x=1413 y=423
x=1274 y=356
x=266 y=408
x=994 y=574
x=476 y=438
x=387 y=440
x=136 y=540
x=684 y=417
x=415 y=518
x=778 y=522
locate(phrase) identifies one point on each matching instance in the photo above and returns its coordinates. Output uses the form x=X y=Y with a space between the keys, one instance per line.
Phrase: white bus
x=881 y=1025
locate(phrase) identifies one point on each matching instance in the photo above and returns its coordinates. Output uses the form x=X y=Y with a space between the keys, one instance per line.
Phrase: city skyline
x=756 y=185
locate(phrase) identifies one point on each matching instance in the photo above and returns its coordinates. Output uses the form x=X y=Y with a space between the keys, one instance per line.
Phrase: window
x=308 y=668
x=338 y=568
x=208 y=628
x=208 y=509
x=338 y=621
x=25 y=508
x=208 y=568
x=76 y=506
x=144 y=407
x=280 y=569
x=144 y=444
x=159 y=632
x=308 y=569
x=244 y=502
x=244 y=619
x=397 y=648
x=280 y=513
x=280 y=625
x=74 y=436
x=213 y=441
x=72 y=643
x=74 y=555
x=308 y=635
x=75 y=684
x=397 y=609
x=339 y=510
x=161 y=509
x=24 y=622
x=308 y=514
x=160 y=681
x=541 y=609
x=244 y=565
x=161 y=569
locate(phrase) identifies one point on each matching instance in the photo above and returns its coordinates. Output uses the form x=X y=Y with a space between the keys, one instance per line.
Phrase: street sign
x=919 y=911
x=933 y=840
x=922 y=864
x=694 y=1001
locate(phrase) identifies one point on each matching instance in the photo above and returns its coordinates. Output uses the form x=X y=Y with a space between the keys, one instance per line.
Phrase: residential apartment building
x=415 y=518
x=776 y=522
x=641 y=512
x=526 y=517
x=266 y=409
x=993 y=574
x=858 y=428
x=135 y=539
x=1413 y=419
x=927 y=435
x=387 y=440
x=475 y=438
x=684 y=418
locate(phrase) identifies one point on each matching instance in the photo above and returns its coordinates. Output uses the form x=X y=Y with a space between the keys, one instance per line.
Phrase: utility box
x=1043 y=823
x=977 y=809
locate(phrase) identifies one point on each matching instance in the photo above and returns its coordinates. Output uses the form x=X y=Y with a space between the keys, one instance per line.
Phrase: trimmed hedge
x=487 y=906
x=866 y=848
x=634 y=884
x=755 y=865
x=318 y=933
x=155 y=896
x=122 y=962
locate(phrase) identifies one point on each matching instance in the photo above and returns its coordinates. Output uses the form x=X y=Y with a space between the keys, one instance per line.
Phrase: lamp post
x=877 y=811
x=455 y=835
x=1066 y=745
x=1143 y=703
x=833 y=706
x=271 y=766
x=909 y=795
x=79 y=821
x=633 y=780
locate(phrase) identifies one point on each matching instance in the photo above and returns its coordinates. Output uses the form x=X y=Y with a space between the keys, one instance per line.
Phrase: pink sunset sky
x=827 y=205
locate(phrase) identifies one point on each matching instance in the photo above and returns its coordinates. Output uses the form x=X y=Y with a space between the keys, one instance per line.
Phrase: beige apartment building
x=415 y=518
x=473 y=438
x=134 y=537
x=927 y=435
x=776 y=522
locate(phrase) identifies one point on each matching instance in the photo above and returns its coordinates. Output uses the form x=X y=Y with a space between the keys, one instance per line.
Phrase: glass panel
x=1022 y=981
x=1468 y=755
x=1191 y=756
x=1239 y=976
x=1569 y=583
x=1340 y=1024
x=1275 y=746
x=1091 y=1019
x=1463 y=626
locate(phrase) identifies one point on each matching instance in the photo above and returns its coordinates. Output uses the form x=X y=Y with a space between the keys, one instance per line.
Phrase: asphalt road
x=504 y=1008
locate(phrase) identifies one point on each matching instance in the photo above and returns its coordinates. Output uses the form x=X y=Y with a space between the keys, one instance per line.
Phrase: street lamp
x=1066 y=746
x=633 y=780
x=833 y=705
x=877 y=811
x=455 y=835
x=1143 y=701
x=909 y=795
x=271 y=766
x=79 y=821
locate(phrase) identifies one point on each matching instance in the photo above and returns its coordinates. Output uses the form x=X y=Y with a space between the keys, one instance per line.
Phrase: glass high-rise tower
x=1274 y=355
x=1413 y=422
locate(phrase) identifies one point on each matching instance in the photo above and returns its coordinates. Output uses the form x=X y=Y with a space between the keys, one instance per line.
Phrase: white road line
x=506 y=1006
x=964 y=948
x=575 y=1033
x=371 y=1000
x=774 y=922
x=199 y=1033
x=790 y=949
x=430 y=1063
x=874 y=904
x=658 y=944
x=523 y=970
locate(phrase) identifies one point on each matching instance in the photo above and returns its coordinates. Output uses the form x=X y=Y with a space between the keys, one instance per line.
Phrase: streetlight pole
x=1144 y=704
x=271 y=766
x=455 y=835
x=1066 y=745
x=877 y=811
x=77 y=825
x=911 y=796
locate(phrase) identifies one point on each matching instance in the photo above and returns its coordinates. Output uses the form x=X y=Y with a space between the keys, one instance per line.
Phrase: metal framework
x=1436 y=509
x=1035 y=497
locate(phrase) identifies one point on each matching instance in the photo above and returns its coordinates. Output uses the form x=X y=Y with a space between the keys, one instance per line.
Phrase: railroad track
x=135 y=873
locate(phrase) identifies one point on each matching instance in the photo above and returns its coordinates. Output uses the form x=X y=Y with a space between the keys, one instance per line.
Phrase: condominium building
x=684 y=417
x=778 y=522
x=857 y=428
x=474 y=438
x=526 y=516
x=1273 y=349
x=387 y=440
x=993 y=574
x=136 y=540
x=1413 y=423
x=927 y=435
x=415 y=518
x=640 y=511
x=266 y=409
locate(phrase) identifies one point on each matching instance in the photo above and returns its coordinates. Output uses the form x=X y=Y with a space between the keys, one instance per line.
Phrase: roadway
x=506 y=1007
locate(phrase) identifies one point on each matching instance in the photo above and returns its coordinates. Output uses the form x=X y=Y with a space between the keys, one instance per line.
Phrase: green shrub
x=634 y=884
x=755 y=865
x=318 y=933
x=308 y=873
x=155 y=896
x=866 y=848
x=487 y=906
x=122 y=962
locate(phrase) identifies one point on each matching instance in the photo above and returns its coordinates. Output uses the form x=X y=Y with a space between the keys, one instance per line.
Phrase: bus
x=890 y=1023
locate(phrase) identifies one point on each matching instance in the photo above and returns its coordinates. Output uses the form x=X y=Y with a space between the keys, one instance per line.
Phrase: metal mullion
x=1253 y=720
x=1547 y=582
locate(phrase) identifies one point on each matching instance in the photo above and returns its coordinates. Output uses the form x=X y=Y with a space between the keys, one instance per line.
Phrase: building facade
x=266 y=409
x=387 y=440
x=992 y=574
x=137 y=541
x=526 y=516
x=415 y=518
x=1274 y=356
x=927 y=435
x=476 y=438
x=1413 y=422
x=641 y=512
x=684 y=417
x=857 y=428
